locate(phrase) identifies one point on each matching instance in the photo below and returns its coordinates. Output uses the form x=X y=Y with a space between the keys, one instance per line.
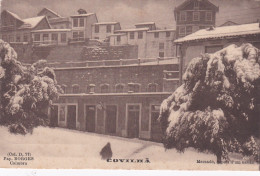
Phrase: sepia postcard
x=130 y=84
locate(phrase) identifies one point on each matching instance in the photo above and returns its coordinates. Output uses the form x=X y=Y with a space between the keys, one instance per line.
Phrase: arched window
x=64 y=88
x=152 y=87
x=120 y=88
x=75 y=88
x=134 y=87
x=104 y=88
x=91 y=88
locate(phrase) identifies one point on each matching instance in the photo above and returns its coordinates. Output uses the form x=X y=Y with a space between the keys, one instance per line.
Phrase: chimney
x=82 y=11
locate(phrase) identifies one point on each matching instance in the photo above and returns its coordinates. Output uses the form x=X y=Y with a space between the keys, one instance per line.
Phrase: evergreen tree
x=216 y=109
x=26 y=92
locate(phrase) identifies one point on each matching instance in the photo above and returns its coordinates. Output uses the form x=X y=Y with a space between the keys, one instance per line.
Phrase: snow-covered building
x=192 y=15
x=82 y=25
x=213 y=39
x=56 y=20
x=151 y=42
x=15 y=29
x=120 y=100
x=102 y=30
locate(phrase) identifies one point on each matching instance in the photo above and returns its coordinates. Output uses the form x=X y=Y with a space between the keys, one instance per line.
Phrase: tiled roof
x=222 y=32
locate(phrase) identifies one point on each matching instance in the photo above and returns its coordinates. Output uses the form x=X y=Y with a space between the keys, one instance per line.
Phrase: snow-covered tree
x=25 y=93
x=216 y=108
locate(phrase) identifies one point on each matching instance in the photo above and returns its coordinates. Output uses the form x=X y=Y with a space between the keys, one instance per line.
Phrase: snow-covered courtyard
x=64 y=148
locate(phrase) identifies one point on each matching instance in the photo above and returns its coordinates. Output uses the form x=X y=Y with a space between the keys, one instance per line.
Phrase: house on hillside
x=213 y=39
x=193 y=15
x=56 y=21
x=15 y=29
x=82 y=25
x=102 y=30
x=152 y=43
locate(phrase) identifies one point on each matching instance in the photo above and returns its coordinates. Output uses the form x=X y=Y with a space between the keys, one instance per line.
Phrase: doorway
x=54 y=116
x=133 y=114
x=111 y=114
x=71 y=116
x=90 y=118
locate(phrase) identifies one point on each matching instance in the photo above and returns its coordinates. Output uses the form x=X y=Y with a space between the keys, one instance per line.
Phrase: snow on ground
x=64 y=148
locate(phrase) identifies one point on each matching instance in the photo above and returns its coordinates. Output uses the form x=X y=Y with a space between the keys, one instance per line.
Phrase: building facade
x=82 y=26
x=193 y=15
x=151 y=43
x=102 y=30
x=115 y=100
x=214 y=39
x=15 y=29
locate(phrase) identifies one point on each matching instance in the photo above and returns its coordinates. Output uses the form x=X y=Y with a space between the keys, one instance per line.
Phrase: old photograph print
x=130 y=84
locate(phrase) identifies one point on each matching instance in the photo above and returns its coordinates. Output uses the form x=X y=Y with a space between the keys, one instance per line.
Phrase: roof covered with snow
x=83 y=15
x=104 y=23
x=162 y=30
x=145 y=23
x=133 y=30
x=222 y=32
x=32 y=22
x=14 y=15
x=47 y=9
x=52 y=30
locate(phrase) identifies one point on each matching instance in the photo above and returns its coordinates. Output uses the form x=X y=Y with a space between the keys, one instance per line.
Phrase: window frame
x=81 y=22
x=96 y=29
x=132 y=35
x=184 y=31
x=184 y=15
x=62 y=35
x=206 y=16
x=194 y=15
x=168 y=34
x=156 y=34
x=140 y=34
x=109 y=28
x=75 y=22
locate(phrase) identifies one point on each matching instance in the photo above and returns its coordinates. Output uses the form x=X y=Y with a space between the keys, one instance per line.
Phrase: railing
x=120 y=62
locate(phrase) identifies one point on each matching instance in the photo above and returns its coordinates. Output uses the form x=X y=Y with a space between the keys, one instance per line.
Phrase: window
x=54 y=37
x=119 y=88
x=132 y=35
x=118 y=38
x=104 y=88
x=213 y=49
x=63 y=37
x=75 y=88
x=91 y=88
x=64 y=88
x=45 y=37
x=136 y=87
x=36 y=37
x=140 y=34
x=196 y=4
x=156 y=35
x=182 y=16
x=75 y=35
x=196 y=16
x=188 y=30
x=109 y=28
x=168 y=34
x=75 y=22
x=96 y=29
x=182 y=30
x=152 y=87
x=161 y=46
x=81 y=22
x=81 y=35
x=161 y=54
x=208 y=16
x=25 y=38
x=62 y=113
x=18 y=38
